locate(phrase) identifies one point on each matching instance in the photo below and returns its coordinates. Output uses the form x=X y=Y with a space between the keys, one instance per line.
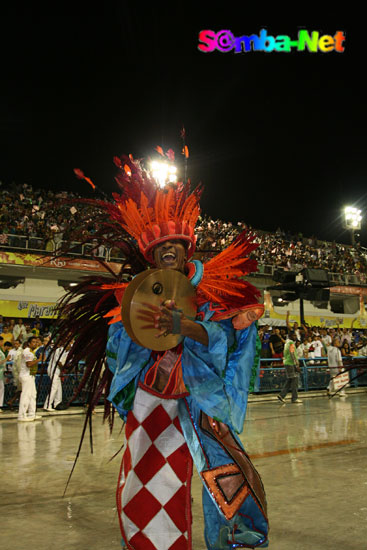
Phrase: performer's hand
x=160 y=317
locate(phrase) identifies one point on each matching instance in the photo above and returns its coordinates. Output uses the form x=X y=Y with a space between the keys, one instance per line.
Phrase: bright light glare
x=353 y=217
x=164 y=173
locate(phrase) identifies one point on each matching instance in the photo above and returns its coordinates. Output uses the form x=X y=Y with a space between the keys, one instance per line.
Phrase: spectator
x=276 y=344
x=7 y=335
x=264 y=335
x=308 y=346
x=345 y=336
x=295 y=327
x=325 y=337
x=6 y=349
x=36 y=330
x=318 y=347
x=27 y=325
x=19 y=331
x=13 y=350
x=300 y=350
x=345 y=350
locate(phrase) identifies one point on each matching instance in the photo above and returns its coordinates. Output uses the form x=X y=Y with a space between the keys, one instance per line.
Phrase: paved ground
x=312 y=457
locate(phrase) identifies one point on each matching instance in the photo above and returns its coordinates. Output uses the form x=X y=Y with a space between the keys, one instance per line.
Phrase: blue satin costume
x=217 y=378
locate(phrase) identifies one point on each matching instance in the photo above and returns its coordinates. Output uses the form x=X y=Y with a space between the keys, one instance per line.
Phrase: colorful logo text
x=225 y=41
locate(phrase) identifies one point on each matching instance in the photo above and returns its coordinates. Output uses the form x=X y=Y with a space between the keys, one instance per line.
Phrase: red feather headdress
x=151 y=214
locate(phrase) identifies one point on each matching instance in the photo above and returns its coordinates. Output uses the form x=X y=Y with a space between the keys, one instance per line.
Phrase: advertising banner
x=22 y=308
x=82 y=264
x=341 y=380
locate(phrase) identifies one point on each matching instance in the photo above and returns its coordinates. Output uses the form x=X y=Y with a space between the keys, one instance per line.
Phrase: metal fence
x=23 y=243
x=70 y=383
x=87 y=250
x=314 y=373
x=313 y=376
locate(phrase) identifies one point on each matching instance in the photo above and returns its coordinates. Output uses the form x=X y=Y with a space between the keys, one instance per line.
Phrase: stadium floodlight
x=352 y=220
x=352 y=217
x=163 y=173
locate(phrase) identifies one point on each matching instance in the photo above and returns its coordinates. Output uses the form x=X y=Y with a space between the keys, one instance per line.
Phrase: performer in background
x=335 y=364
x=2 y=368
x=57 y=361
x=185 y=404
x=27 y=376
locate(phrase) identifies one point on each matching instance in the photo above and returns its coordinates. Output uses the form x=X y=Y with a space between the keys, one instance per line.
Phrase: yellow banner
x=82 y=264
x=359 y=321
x=23 y=308
x=317 y=321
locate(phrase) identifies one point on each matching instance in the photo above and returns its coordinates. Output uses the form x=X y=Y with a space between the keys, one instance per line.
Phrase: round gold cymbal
x=154 y=287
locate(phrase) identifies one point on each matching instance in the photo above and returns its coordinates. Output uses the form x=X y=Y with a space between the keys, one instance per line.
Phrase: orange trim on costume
x=212 y=481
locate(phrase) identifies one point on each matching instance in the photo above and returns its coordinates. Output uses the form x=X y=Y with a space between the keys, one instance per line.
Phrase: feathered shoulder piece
x=223 y=282
x=220 y=281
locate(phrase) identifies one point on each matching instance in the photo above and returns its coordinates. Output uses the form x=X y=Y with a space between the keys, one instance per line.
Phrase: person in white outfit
x=19 y=331
x=2 y=367
x=15 y=356
x=53 y=370
x=27 y=377
x=317 y=347
x=335 y=363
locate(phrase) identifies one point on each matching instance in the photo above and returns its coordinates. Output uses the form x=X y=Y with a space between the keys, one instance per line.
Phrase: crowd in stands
x=292 y=252
x=295 y=253
x=21 y=330
x=46 y=218
x=312 y=342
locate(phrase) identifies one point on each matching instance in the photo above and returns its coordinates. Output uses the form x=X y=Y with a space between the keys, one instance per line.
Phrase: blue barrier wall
x=314 y=373
x=314 y=376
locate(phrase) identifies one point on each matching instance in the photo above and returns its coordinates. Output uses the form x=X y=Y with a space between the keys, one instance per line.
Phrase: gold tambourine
x=154 y=287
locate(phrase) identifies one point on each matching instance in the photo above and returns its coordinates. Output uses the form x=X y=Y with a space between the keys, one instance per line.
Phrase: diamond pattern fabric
x=153 y=496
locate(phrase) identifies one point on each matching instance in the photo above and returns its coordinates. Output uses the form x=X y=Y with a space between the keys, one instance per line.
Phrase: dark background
x=277 y=139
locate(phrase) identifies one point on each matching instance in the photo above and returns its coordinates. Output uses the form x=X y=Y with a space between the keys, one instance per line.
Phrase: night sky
x=278 y=139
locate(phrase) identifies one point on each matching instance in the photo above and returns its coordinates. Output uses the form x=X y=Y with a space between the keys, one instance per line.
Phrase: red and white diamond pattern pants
x=154 y=488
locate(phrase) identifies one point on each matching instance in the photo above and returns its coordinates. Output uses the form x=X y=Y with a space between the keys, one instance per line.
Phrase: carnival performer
x=184 y=405
x=54 y=396
x=27 y=376
x=335 y=364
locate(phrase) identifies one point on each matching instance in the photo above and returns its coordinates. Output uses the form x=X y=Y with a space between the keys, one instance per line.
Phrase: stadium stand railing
x=23 y=243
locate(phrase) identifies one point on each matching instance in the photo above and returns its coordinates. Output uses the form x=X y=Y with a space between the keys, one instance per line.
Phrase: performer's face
x=170 y=254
